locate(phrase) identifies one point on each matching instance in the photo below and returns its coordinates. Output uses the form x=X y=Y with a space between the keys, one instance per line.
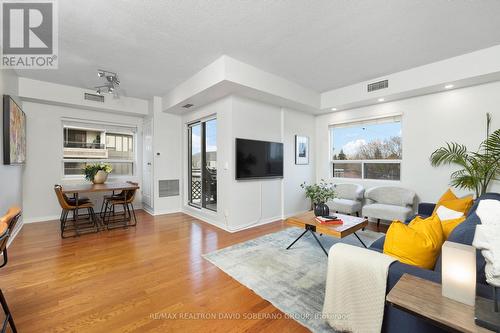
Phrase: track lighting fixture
x=111 y=83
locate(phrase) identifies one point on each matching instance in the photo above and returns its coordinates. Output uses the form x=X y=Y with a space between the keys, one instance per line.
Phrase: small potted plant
x=319 y=195
x=97 y=173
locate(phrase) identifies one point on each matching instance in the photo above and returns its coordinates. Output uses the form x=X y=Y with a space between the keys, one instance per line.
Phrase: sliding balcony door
x=202 y=172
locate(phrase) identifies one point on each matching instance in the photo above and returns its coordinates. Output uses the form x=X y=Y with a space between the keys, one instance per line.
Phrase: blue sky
x=211 y=132
x=350 y=138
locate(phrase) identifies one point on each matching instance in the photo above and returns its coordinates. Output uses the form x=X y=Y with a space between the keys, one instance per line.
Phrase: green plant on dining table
x=319 y=193
x=91 y=170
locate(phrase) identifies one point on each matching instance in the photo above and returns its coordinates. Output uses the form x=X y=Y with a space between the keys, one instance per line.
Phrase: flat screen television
x=258 y=159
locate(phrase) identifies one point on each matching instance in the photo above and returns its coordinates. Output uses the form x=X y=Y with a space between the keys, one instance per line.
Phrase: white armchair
x=389 y=203
x=348 y=200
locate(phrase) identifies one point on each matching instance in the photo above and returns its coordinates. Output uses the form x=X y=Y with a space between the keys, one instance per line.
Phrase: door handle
x=149 y=163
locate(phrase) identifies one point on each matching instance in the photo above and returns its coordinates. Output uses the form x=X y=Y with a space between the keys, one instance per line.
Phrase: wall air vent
x=378 y=85
x=94 y=97
x=168 y=188
x=187 y=106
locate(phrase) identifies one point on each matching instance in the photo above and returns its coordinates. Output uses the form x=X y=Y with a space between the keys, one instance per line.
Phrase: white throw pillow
x=445 y=213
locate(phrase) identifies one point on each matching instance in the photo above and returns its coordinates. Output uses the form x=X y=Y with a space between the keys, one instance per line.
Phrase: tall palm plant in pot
x=477 y=169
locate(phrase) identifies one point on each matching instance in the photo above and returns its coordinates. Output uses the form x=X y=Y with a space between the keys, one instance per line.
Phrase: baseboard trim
x=148 y=210
x=41 y=219
x=255 y=224
x=57 y=217
x=191 y=212
x=162 y=212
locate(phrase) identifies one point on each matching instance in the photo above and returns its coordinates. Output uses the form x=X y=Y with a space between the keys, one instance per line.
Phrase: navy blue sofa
x=399 y=321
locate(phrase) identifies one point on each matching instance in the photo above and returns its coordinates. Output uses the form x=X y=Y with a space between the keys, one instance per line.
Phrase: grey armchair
x=389 y=203
x=348 y=200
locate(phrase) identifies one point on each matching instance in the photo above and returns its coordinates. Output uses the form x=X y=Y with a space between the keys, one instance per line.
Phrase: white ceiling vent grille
x=378 y=85
x=94 y=97
x=187 y=106
x=168 y=188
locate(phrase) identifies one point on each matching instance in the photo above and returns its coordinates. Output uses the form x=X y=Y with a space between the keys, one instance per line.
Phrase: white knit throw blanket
x=487 y=238
x=355 y=288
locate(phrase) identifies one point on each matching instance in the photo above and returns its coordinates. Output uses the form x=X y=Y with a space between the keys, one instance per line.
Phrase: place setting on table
x=119 y=195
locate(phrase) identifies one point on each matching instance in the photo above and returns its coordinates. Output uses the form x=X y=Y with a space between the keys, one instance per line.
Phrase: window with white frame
x=89 y=143
x=370 y=149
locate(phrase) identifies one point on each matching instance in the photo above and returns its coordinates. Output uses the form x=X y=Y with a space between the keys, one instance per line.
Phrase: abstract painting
x=14 y=132
x=301 y=150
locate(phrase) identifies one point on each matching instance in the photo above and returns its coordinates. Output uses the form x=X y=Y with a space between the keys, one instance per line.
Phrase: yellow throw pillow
x=460 y=205
x=451 y=201
x=449 y=225
x=418 y=243
x=448 y=195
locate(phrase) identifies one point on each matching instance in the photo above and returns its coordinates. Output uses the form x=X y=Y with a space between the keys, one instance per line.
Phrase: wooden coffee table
x=308 y=222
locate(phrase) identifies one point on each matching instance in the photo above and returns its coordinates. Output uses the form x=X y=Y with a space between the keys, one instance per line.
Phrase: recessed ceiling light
x=334 y=109
x=448 y=86
x=381 y=99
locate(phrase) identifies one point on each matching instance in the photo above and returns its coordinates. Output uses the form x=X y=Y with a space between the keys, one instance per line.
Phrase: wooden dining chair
x=10 y=219
x=7 y=225
x=89 y=220
x=124 y=199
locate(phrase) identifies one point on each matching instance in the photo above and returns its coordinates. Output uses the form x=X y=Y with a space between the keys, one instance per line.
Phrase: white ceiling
x=320 y=44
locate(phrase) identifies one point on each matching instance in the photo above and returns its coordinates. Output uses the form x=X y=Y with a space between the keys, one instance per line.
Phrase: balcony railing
x=86 y=145
x=84 y=153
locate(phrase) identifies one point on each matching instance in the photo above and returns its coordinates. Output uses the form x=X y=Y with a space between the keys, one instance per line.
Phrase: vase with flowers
x=97 y=173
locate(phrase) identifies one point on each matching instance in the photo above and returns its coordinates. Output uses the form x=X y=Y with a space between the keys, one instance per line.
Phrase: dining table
x=77 y=189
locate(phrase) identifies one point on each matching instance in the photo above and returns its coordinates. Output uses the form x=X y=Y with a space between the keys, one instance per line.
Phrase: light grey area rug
x=292 y=280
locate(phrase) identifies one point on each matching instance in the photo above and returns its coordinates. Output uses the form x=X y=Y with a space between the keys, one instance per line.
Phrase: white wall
x=428 y=122
x=60 y=94
x=297 y=123
x=254 y=201
x=10 y=175
x=242 y=204
x=44 y=166
x=222 y=109
x=167 y=152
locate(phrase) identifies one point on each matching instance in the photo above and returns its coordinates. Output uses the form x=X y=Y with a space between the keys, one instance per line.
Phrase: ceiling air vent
x=94 y=97
x=378 y=85
x=187 y=106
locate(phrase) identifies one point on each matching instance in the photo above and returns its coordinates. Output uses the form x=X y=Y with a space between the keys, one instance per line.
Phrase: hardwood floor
x=143 y=279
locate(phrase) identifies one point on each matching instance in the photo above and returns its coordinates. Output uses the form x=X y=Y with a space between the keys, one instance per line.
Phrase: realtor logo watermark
x=29 y=34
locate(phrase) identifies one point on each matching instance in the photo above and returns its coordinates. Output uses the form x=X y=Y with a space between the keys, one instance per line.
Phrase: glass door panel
x=210 y=163
x=195 y=163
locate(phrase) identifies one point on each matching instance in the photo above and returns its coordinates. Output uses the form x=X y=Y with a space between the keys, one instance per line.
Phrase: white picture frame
x=301 y=150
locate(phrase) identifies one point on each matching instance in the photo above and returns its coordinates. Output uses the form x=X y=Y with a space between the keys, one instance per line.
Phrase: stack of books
x=328 y=220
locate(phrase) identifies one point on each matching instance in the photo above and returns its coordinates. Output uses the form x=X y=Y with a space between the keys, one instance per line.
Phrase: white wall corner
x=228 y=76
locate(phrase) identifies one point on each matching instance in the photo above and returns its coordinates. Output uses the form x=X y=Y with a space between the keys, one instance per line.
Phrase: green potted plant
x=98 y=172
x=478 y=168
x=319 y=195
